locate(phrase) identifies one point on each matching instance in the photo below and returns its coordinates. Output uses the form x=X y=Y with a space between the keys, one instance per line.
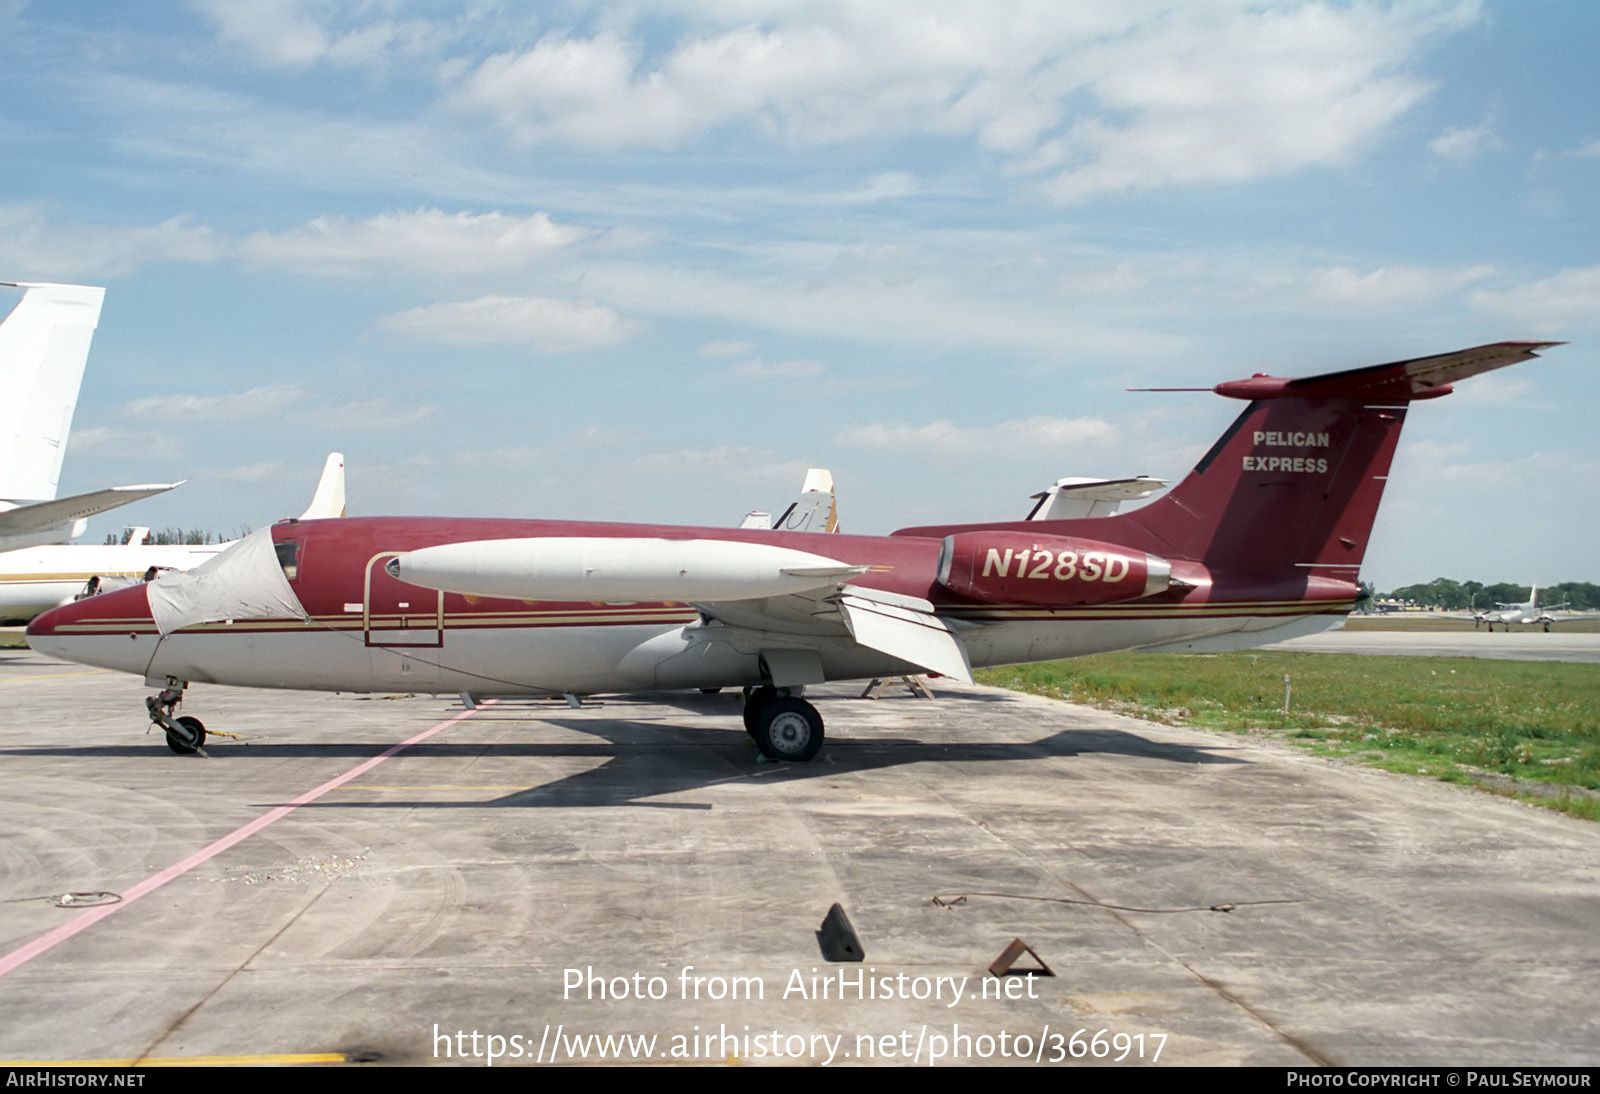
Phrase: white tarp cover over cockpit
x=243 y=582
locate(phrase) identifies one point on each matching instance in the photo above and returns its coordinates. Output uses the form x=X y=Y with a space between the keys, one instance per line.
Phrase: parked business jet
x=1262 y=541
x=44 y=344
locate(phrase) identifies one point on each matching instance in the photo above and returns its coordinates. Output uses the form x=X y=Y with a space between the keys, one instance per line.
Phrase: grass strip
x=1523 y=728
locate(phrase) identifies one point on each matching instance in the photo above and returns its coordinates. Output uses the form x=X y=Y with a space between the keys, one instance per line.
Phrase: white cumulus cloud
x=424 y=239
x=258 y=402
x=777 y=370
x=34 y=247
x=1224 y=93
x=548 y=325
x=1102 y=97
x=1564 y=301
x=945 y=438
x=298 y=33
x=724 y=349
x=1345 y=288
x=1466 y=143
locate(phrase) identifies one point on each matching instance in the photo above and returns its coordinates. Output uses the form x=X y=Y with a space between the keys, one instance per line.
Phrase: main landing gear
x=185 y=735
x=783 y=726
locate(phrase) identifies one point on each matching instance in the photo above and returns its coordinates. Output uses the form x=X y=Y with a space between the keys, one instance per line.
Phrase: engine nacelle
x=1050 y=571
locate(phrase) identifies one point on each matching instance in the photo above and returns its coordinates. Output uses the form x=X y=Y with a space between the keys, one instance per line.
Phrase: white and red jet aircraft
x=1262 y=541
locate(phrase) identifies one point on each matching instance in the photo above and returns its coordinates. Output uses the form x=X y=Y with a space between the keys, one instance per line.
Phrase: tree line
x=169 y=536
x=1450 y=595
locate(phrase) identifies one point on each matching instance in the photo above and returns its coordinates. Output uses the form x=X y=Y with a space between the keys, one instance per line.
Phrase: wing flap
x=905 y=628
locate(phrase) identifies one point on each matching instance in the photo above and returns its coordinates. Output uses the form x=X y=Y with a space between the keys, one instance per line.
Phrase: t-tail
x=1292 y=487
x=44 y=343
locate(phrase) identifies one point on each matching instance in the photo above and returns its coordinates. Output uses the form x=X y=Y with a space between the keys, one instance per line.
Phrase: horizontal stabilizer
x=618 y=570
x=1417 y=378
x=906 y=628
x=1444 y=368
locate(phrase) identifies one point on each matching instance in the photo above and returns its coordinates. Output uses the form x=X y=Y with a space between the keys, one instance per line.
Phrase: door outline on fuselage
x=409 y=637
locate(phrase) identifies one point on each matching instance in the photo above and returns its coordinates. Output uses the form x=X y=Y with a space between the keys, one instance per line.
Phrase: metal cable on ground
x=71 y=900
x=952 y=901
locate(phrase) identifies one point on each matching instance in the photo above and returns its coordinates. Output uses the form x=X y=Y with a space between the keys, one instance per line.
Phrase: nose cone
x=112 y=630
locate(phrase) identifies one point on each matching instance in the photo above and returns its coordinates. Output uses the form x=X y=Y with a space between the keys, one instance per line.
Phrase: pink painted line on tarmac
x=52 y=938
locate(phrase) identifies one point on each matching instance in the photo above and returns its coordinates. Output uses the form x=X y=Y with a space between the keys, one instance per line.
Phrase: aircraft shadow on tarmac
x=638 y=760
x=648 y=760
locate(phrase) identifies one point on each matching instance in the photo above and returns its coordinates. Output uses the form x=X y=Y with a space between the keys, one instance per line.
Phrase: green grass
x=13 y=640
x=1530 y=729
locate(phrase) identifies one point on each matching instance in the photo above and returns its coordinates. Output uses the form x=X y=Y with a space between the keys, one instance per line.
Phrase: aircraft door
x=396 y=615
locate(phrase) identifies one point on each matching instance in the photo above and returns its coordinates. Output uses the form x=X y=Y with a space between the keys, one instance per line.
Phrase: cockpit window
x=288 y=558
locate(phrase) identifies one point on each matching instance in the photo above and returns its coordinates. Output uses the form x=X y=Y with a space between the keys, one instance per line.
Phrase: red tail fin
x=1293 y=486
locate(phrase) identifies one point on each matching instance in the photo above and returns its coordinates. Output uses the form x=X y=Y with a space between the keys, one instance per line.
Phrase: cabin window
x=289 y=558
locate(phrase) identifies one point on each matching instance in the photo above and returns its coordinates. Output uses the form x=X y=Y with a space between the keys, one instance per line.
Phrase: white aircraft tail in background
x=815 y=510
x=37 y=578
x=44 y=344
x=328 y=501
x=1077 y=498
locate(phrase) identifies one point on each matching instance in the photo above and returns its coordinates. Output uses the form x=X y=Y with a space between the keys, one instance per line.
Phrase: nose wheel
x=188 y=738
x=185 y=735
x=784 y=727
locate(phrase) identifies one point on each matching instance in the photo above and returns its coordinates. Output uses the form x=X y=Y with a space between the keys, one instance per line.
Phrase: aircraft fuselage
x=365 y=630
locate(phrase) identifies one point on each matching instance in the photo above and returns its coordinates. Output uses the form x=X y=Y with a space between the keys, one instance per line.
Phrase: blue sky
x=649 y=261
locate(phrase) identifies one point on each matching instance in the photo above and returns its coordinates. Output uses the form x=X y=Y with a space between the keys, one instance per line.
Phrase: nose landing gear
x=185 y=735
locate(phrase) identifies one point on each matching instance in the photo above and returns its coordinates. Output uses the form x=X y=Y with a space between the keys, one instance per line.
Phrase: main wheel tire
x=754 y=700
x=196 y=737
x=788 y=729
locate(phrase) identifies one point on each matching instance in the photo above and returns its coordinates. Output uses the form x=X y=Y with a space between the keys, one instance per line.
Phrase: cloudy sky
x=650 y=261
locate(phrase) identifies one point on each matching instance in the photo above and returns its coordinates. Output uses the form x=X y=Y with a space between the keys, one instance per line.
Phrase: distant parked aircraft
x=1074 y=498
x=36 y=579
x=44 y=344
x=1530 y=613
